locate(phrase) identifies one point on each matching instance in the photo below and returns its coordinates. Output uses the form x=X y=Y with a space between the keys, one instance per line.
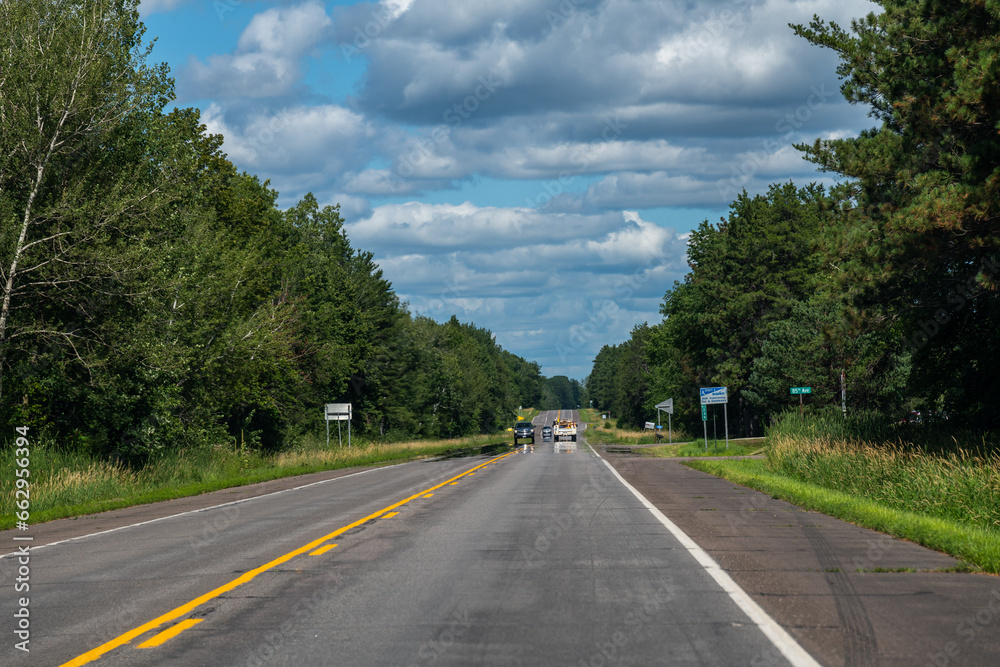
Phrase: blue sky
x=532 y=166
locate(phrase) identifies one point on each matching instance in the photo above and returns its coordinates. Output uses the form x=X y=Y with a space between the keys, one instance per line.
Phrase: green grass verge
x=977 y=546
x=597 y=435
x=67 y=485
x=697 y=448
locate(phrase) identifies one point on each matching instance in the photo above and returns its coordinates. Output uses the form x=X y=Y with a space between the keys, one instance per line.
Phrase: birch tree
x=72 y=75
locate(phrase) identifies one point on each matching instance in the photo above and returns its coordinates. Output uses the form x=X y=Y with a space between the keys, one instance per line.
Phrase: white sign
x=713 y=395
x=666 y=406
x=650 y=425
x=338 y=412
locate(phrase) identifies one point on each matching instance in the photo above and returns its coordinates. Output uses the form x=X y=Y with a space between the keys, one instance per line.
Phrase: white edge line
x=771 y=629
x=204 y=509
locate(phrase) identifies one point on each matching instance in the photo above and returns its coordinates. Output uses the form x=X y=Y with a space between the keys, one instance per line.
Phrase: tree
x=632 y=379
x=601 y=381
x=918 y=255
x=746 y=272
x=75 y=92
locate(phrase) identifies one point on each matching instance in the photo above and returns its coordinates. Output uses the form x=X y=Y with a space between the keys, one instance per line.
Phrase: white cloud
x=600 y=106
x=551 y=287
x=267 y=60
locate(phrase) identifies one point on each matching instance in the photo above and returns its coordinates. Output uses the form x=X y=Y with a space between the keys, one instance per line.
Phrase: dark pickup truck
x=524 y=430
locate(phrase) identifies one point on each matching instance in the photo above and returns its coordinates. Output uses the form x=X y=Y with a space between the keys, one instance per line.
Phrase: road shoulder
x=802 y=567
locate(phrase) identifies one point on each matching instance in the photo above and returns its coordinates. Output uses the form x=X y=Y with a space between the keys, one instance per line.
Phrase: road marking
x=207 y=509
x=187 y=608
x=389 y=515
x=453 y=484
x=783 y=641
x=170 y=633
x=428 y=495
x=323 y=549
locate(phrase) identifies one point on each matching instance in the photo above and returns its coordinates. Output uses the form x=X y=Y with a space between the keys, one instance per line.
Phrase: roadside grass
x=600 y=435
x=933 y=486
x=605 y=434
x=715 y=448
x=959 y=485
x=529 y=414
x=72 y=484
x=976 y=545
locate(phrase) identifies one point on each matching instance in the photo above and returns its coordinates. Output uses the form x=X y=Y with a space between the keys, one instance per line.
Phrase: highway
x=536 y=557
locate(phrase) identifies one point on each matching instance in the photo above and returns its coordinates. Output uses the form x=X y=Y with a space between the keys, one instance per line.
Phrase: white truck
x=563 y=429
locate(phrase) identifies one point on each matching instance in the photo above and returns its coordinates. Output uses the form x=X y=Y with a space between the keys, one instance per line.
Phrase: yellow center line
x=323 y=549
x=170 y=633
x=187 y=608
x=389 y=515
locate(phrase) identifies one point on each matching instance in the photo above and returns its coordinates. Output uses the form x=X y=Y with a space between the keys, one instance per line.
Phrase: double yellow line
x=187 y=608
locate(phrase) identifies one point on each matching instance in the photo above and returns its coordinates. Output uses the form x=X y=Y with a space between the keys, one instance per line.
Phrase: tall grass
x=70 y=483
x=927 y=470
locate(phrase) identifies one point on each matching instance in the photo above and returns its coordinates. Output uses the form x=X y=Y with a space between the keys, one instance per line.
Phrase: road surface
x=537 y=557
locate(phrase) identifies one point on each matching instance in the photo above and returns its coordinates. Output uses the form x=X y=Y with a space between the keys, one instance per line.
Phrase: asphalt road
x=539 y=557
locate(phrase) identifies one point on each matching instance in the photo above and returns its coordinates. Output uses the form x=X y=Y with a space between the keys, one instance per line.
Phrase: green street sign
x=802 y=390
x=704 y=413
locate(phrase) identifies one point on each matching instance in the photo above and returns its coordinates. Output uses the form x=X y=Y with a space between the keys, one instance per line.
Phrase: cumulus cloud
x=267 y=58
x=518 y=270
x=582 y=109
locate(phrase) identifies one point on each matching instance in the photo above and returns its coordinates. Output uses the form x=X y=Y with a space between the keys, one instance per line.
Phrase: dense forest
x=889 y=277
x=154 y=297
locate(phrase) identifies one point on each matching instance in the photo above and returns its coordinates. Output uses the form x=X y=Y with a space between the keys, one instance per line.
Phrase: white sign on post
x=667 y=406
x=338 y=412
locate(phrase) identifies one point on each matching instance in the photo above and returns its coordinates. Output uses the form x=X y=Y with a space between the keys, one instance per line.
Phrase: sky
x=534 y=167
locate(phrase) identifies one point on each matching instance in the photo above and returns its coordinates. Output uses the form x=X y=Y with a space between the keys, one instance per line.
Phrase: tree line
x=154 y=297
x=891 y=277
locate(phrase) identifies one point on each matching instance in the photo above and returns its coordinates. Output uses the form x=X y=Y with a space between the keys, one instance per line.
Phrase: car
x=524 y=430
x=546 y=434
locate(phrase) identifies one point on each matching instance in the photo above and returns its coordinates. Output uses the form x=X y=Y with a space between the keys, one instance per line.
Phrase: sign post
x=800 y=391
x=667 y=405
x=710 y=396
x=338 y=412
x=843 y=393
x=704 y=423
